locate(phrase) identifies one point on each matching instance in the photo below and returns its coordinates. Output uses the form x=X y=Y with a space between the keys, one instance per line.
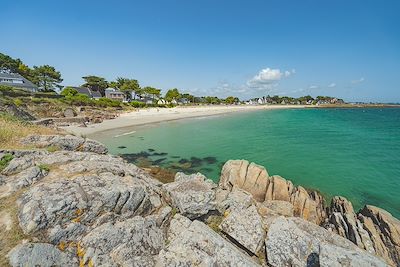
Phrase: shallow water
x=350 y=152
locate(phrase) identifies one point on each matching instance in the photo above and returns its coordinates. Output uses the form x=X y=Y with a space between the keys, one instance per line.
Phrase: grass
x=44 y=167
x=10 y=238
x=5 y=160
x=13 y=129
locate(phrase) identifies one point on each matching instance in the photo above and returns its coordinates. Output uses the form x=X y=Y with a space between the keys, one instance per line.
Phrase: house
x=86 y=91
x=161 y=102
x=115 y=94
x=16 y=80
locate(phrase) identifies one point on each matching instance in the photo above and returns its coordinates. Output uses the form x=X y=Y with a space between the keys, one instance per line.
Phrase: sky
x=343 y=48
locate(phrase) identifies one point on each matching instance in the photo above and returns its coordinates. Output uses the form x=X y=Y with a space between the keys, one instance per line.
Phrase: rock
x=81 y=199
x=275 y=207
x=28 y=177
x=195 y=244
x=69 y=113
x=296 y=242
x=308 y=206
x=237 y=199
x=255 y=180
x=18 y=164
x=249 y=177
x=137 y=240
x=40 y=254
x=193 y=195
x=67 y=142
x=93 y=146
x=346 y=224
x=334 y=256
x=245 y=227
x=384 y=232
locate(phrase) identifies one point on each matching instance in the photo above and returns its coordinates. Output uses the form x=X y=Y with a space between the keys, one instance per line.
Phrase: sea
x=352 y=152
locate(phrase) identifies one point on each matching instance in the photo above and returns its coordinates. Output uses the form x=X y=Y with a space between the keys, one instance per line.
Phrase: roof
x=83 y=90
x=96 y=94
x=14 y=76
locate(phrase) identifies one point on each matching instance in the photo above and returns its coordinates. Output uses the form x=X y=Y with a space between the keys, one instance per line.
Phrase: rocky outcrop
x=40 y=254
x=195 y=244
x=246 y=228
x=67 y=142
x=372 y=229
x=74 y=207
x=193 y=195
x=296 y=242
x=255 y=180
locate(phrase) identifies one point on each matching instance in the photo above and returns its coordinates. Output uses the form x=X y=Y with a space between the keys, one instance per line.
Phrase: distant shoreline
x=157 y=115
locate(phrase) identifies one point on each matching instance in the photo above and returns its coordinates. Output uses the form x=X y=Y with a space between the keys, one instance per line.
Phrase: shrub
x=18 y=102
x=4 y=88
x=44 y=167
x=137 y=104
x=79 y=99
x=106 y=102
x=5 y=160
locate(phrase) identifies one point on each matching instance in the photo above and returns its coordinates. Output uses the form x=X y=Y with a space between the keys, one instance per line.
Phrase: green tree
x=172 y=94
x=8 y=64
x=128 y=86
x=231 y=100
x=95 y=83
x=69 y=91
x=46 y=77
x=189 y=97
x=153 y=92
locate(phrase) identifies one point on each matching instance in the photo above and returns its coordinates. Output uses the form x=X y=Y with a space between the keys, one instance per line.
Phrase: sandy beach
x=155 y=115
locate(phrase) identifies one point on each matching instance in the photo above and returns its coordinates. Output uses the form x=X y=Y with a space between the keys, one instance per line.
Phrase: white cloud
x=358 y=81
x=313 y=87
x=332 y=85
x=266 y=77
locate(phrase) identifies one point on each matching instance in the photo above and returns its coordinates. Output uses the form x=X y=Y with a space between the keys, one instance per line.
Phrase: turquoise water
x=350 y=152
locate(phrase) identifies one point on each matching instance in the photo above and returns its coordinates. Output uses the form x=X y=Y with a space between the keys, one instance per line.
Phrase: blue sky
x=349 y=49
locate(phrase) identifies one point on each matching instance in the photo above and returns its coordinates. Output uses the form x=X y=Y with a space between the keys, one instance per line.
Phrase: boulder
x=81 y=199
x=40 y=254
x=193 y=195
x=384 y=232
x=28 y=177
x=133 y=242
x=296 y=242
x=309 y=206
x=275 y=207
x=250 y=177
x=195 y=244
x=67 y=142
x=255 y=180
x=246 y=228
x=237 y=199
x=69 y=113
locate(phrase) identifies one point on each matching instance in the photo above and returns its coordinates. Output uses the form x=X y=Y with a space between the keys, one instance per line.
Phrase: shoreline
x=157 y=115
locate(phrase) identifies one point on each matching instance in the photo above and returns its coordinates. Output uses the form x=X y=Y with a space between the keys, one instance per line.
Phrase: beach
x=156 y=115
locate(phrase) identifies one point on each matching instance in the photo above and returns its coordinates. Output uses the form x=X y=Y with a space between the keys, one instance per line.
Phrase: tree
x=172 y=94
x=95 y=83
x=46 y=77
x=69 y=91
x=189 y=97
x=128 y=86
x=8 y=64
x=154 y=92
x=231 y=100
